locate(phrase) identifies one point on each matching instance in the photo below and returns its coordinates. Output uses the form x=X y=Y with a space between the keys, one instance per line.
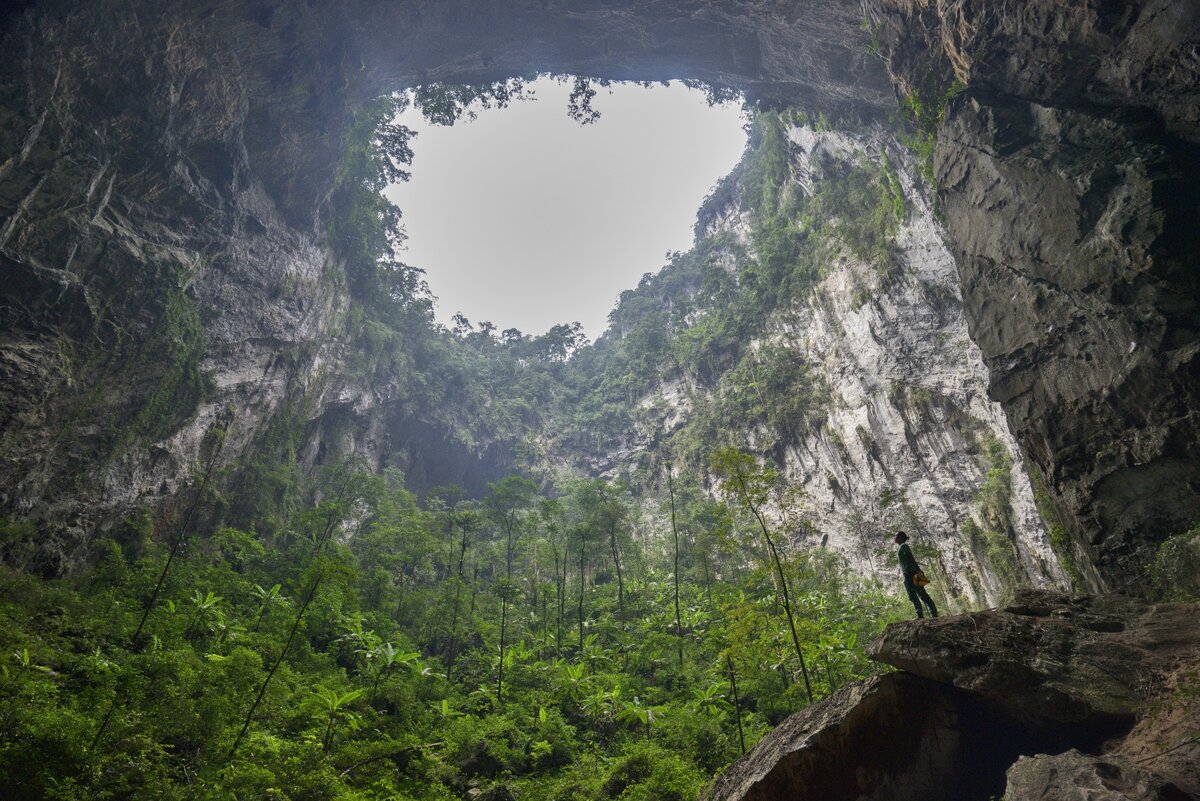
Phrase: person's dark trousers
x=916 y=595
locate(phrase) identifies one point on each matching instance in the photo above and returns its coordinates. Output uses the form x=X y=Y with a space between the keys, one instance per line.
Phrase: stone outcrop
x=895 y=737
x=1165 y=738
x=1078 y=777
x=1046 y=690
x=1050 y=659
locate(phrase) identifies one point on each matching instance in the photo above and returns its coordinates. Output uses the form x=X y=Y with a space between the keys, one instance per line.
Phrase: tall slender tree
x=675 y=536
x=467 y=521
x=552 y=512
x=748 y=483
x=508 y=499
x=333 y=511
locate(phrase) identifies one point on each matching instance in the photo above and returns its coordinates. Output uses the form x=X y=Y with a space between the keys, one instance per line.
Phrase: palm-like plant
x=573 y=679
x=385 y=659
x=361 y=640
x=334 y=707
x=748 y=483
x=636 y=713
x=207 y=611
x=267 y=600
x=593 y=654
x=602 y=704
x=710 y=700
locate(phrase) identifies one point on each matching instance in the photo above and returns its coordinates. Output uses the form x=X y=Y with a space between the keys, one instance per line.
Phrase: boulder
x=1050 y=673
x=896 y=737
x=1165 y=738
x=1079 y=777
x=1052 y=661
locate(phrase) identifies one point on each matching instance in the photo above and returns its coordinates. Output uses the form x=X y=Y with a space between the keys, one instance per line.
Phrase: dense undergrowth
x=387 y=620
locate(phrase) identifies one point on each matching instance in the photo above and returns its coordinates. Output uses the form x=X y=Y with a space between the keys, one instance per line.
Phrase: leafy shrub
x=647 y=772
x=1175 y=570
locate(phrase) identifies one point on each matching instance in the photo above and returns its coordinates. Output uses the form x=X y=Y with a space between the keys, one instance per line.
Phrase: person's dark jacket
x=908 y=562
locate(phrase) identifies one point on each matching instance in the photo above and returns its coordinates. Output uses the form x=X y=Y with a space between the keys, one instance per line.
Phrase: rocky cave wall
x=910 y=435
x=165 y=173
x=1067 y=175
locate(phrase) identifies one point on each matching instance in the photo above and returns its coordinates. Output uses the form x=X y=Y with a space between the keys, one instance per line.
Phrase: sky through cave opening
x=524 y=218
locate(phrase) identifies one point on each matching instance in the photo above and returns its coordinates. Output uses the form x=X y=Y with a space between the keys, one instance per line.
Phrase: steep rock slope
x=153 y=288
x=910 y=423
x=855 y=372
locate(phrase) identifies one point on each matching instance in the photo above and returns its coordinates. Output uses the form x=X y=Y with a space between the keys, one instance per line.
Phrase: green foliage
x=647 y=772
x=862 y=208
x=446 y=104
x=178 y=342
x=18 y=541
x=771 y=387
x=924 y=107
x=992 y=540
x=742 y=477
x=1060 y=539
x=1175 y=570
x=366 y=229
x=362 y=704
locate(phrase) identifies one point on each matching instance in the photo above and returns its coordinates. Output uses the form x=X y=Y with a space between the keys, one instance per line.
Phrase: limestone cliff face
x=911 y=436
x=152 y=285
x=902 y=433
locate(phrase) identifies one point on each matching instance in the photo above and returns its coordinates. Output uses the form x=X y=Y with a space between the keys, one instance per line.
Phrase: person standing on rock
x=910 y=568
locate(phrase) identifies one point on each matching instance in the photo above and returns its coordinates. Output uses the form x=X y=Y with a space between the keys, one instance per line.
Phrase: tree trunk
x=737 y=704
x=616 y=552
x=558 y=598
x=582 y=556
x=675 y=534
x=787 y=601
x=322 y=542
x=500 y=679
x=453 y=633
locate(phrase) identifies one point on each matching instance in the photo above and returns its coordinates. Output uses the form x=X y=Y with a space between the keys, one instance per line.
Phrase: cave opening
x=528 y=216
